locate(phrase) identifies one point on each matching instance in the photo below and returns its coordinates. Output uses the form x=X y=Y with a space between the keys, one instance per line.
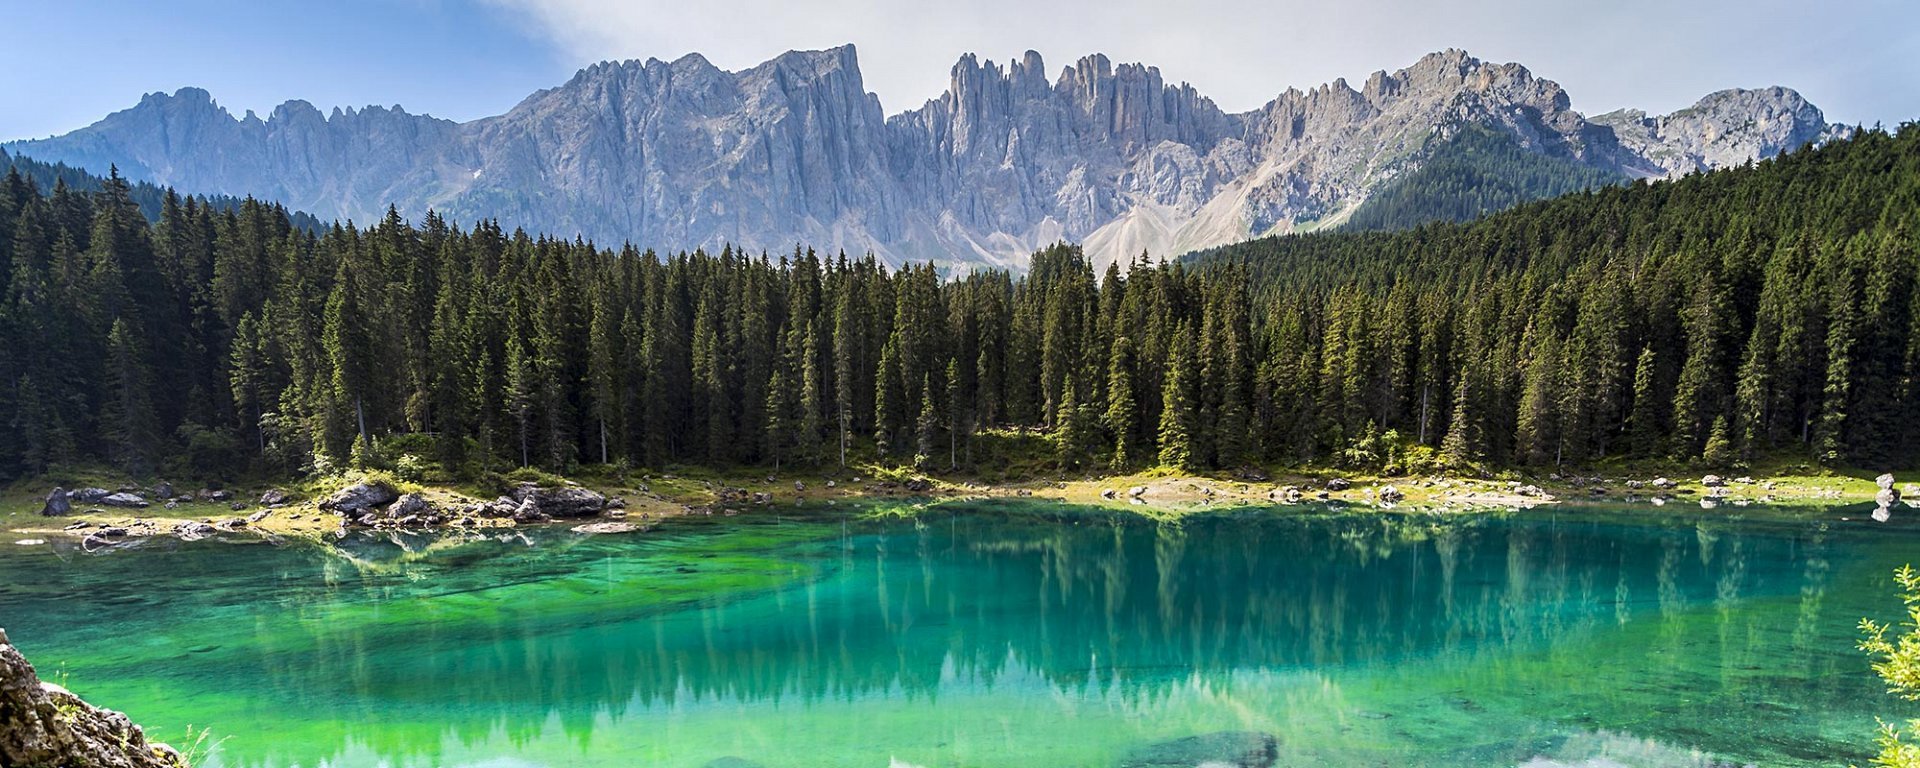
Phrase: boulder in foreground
x=45 y=724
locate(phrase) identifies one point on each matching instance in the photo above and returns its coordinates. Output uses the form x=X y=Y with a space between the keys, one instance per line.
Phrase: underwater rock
x=606 y=528
x=1225 y=749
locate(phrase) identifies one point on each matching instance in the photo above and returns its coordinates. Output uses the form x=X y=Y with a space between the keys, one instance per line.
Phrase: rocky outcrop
x=359 y=498
x=89 y=495
x=42 y=724
x=1723 y=129
x=124 y=500
x=556 y=502
x=681 y=154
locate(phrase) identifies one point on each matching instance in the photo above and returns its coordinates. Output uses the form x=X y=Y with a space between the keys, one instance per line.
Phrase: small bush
x=533 y=475
x=411 y=468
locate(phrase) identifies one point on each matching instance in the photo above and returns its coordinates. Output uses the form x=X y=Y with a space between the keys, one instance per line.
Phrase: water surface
x=993 y=635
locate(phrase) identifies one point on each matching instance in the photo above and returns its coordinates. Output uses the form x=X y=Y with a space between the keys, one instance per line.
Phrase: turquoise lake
x=995 y=634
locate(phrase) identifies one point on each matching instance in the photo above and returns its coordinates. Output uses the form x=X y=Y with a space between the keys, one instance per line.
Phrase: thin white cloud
x=1655 y=54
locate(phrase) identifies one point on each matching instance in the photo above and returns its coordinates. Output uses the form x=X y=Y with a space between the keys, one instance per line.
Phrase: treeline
x=1726 y=314
x=1474 y=171
x=148 y=196
x=215 y=341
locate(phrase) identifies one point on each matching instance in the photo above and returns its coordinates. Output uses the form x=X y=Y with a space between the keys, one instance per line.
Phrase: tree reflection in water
x=1582 y=624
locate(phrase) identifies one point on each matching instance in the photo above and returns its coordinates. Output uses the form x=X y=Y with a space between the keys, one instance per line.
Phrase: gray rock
x=1885 y=481
x=124 y=500
x=58 y=504
x=43 y=724
x=1713 y=481
x=1664 y=484
x=1226 y=749
x=1722 y=129
x=89 y=495
x=564 y=501
x=1006 y=161
x=164 y=490
x=356 y=499
x=606 y=528
x=275 y=497
x=529 y=512
x=193 y=531
x=1389 y=493
x=410 y=505
x=1339 y=484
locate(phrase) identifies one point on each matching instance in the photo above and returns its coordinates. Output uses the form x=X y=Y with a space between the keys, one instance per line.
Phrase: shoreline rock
x=59 y=504
x=44 y=724
x=359 y=499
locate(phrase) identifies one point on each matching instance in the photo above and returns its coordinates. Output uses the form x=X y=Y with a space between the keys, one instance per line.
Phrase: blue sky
x=71 y=62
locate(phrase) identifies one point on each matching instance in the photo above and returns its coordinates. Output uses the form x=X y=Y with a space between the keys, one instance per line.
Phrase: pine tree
x=957 y=420
x=1177 y=409
x=522 y=393
x=349 y=340
x=1465 y=445
x=887 y=398
x=927 y=426
x=1644 y=425
x=128 y=419
x=844 y=345
x=1718 y=452
x=1123 y=410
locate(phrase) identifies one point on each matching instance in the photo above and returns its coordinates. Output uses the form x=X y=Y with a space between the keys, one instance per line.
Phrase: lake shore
x=641 y=499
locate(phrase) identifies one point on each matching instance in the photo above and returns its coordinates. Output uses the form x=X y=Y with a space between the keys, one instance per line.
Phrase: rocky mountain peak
x=684 y=154
x=1723 y=128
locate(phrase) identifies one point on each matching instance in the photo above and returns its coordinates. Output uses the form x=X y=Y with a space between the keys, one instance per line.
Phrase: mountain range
x=682 y=154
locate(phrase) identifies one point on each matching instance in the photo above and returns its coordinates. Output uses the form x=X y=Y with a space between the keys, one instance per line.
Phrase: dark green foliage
x=1473 y=172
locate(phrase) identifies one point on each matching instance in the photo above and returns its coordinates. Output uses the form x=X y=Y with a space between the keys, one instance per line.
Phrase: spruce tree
x=1123 y=410
x=128 y=419
x=1177 y=406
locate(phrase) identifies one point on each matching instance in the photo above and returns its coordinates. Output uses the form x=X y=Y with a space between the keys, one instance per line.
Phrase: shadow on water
x=1355 y=636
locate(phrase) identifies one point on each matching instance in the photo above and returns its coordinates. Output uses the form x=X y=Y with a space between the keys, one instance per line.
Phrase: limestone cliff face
x=42 y=724
x=679 y=155
x=1724 y=128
